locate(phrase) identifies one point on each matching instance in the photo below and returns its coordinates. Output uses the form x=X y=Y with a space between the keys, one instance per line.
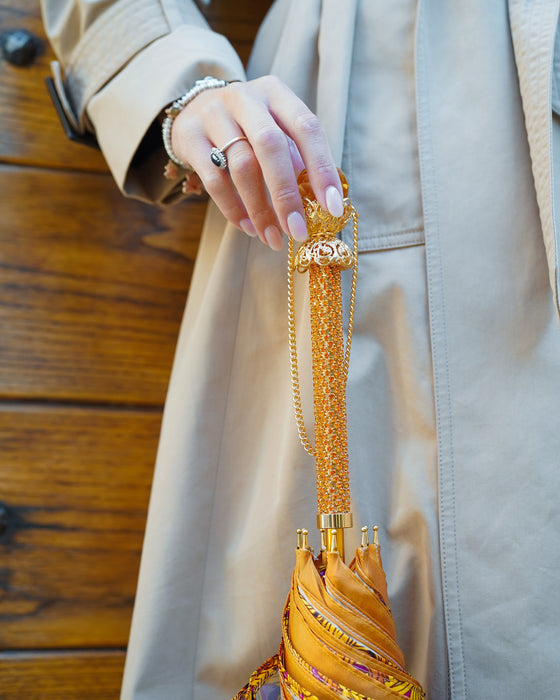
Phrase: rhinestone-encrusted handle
x=324 y=256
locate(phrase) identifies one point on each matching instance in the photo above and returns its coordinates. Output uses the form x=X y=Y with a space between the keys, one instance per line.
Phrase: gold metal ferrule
x=328 y=521
x=333 y=525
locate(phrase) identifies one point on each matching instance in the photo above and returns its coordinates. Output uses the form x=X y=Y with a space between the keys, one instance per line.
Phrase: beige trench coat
x=454 y=386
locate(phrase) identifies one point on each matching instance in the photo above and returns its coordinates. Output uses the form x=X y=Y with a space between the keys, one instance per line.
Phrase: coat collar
x=533 y=28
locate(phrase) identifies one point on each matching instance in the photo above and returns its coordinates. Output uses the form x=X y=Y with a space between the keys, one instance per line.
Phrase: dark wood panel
x=61 y=676
x=239 y=21
x=92 y=288
x=74 y=488
x=249 y=13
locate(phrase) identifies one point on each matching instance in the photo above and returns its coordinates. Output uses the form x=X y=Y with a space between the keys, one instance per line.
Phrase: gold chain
x=294 y=371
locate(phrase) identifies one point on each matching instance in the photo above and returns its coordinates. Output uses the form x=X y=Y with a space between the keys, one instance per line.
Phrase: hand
x=258 y=193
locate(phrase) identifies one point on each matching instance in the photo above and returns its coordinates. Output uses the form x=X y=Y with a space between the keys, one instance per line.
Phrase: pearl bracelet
x=173 y=111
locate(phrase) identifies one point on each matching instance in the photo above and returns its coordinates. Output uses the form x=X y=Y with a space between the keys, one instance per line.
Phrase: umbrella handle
x=323 y=255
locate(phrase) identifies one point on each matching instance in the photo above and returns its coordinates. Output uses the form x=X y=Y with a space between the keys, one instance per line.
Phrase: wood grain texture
x=86 y=675
x=75 y=486
x=92 y=288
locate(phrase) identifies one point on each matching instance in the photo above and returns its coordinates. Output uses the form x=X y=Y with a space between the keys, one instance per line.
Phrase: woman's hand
x=258 y=193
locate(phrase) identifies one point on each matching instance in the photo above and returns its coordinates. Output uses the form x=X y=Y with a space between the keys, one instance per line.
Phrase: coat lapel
x=337 y=30
x=533 y=29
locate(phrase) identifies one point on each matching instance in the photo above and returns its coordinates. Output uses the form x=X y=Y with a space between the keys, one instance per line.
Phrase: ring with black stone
x=218 y=155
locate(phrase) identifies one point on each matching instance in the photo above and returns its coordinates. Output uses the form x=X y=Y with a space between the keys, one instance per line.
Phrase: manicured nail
x=334 y=201
x=296 y=226
x=246 y=225
x=273 y=237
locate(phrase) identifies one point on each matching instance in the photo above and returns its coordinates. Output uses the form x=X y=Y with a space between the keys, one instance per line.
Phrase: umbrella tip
x=334 y=543
x=323 y=540
x=302 y=541
x=365 y=538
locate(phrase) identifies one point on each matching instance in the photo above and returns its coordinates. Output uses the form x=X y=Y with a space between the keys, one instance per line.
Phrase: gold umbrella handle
x=325 y=256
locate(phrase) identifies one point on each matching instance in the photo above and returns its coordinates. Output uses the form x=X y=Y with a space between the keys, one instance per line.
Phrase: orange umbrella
x=338 y=633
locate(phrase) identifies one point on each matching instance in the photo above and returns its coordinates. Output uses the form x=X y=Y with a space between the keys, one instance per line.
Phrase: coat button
x=19 y=47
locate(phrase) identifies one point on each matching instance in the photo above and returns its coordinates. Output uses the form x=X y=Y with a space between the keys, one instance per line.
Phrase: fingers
x=309 y=137
x=247 y=178
x=278 y=125
x=259 y=193
x=240 y=193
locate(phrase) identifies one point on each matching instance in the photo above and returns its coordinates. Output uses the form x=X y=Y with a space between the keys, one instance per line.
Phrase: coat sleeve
x=123 y=61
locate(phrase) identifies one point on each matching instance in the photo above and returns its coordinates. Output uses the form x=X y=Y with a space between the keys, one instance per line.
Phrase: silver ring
x=218 y=155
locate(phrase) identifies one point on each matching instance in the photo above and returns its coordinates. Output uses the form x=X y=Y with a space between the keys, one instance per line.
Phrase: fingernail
x=246 y=225
x=334 y=201
x=273 y=237
x=296 y=226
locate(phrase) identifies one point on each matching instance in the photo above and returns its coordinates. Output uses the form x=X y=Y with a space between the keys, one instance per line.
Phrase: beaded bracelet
x=191 y=183
x=176 y=107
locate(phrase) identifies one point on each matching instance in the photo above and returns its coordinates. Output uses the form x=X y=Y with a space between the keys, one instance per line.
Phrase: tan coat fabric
x=454 y=380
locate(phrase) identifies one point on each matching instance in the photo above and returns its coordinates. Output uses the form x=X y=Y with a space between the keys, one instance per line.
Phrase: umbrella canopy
x=338 y=636
x=338 y=633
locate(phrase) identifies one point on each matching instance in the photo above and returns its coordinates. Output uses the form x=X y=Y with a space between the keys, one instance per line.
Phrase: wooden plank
x=239 y=21
x=75 y=488
x=244 y=12
x=92 y=288
x=86 y=675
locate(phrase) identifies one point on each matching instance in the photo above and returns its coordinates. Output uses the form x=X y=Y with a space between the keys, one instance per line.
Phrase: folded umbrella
x=338 y=633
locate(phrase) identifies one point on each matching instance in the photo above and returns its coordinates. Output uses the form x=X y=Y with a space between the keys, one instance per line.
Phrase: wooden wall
x=92 y=289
